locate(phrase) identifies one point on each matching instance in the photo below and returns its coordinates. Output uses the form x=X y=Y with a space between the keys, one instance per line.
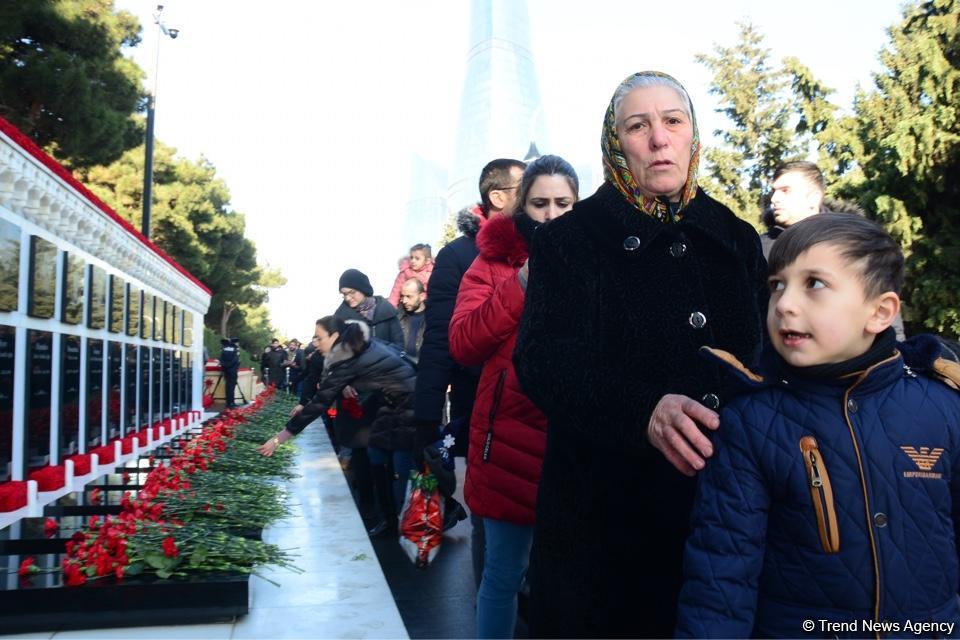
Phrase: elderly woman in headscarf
x=621 y=293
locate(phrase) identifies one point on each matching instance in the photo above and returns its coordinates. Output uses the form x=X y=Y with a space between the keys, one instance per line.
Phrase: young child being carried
x=831 y=503
x=419 y=265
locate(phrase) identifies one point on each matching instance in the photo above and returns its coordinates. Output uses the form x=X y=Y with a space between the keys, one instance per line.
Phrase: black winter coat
x=617 y=305
x=312 y=373
x=377 y=369
x=385 y=325
x=435 y=368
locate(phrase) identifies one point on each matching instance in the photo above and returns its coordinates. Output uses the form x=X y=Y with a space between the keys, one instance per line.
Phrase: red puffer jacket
x=508 y=434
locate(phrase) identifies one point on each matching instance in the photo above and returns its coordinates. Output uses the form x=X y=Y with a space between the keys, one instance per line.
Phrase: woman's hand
x=673 y=430
x=268 y=447
x=349 y=392
x=296 y=410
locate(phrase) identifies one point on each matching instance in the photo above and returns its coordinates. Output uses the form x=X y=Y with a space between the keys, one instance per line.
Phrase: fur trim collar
x=470 y=219
x=341 y=351
x=500 y=240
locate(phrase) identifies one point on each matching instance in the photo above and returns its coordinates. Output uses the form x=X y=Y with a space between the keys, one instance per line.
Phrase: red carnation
x=170 y=547
x=95 y=496
x=27 y=567
x=50 y=527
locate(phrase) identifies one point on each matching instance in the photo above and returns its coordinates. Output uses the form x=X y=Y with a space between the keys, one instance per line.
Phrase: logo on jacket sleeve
x=925 y=458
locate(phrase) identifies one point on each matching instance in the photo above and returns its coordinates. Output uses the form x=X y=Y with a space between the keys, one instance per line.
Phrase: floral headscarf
x=616 y=170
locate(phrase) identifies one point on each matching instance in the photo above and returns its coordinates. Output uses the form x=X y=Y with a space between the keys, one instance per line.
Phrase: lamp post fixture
x=162 y=30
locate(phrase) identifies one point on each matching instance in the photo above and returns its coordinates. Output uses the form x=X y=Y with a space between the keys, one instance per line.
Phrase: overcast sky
x=310 y=110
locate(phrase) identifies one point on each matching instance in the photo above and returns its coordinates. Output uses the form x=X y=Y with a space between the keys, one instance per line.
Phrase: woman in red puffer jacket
x=508 y=434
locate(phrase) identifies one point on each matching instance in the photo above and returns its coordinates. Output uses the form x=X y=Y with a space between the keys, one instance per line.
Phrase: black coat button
x=678 y=249
x=880 y=519
x=852 y=405
x=711 y=401
x=697 y=320
x=631 y=243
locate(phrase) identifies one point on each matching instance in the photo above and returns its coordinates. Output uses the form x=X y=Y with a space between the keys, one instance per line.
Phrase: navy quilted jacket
x=829 y=500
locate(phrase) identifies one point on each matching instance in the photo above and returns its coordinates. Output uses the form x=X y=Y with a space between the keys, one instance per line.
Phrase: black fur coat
x=617 y=305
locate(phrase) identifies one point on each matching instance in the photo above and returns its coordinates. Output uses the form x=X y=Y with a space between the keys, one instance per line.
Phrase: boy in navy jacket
x=830 y=505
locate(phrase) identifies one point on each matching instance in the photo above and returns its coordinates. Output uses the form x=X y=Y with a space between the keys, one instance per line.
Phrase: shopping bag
x=421 y=522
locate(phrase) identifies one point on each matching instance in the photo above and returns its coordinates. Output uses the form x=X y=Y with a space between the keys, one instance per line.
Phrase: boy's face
x=418 y=260
x=819 y=312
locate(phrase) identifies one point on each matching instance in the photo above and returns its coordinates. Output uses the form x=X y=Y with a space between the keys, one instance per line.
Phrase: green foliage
x=64 y=80
x=193 y=222
x=910 y=130
x=751 y=96
x=897 y=154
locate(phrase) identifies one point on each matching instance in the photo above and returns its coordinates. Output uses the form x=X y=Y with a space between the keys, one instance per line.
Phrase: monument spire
x=500 y=111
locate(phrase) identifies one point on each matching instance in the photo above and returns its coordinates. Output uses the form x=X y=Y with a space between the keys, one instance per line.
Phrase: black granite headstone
x=156 y=366
x=114 y=382
x=69 y=395
x=131 y=423
x=94 y=426
x=8 y=347
x=39 y=373
x=143 y=379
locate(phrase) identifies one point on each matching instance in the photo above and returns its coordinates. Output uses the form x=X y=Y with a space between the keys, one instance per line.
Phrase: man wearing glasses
x=436 y=370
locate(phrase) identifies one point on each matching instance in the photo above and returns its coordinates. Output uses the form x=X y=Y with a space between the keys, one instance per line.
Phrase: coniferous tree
x=909 y=127
x=64 y=80
x=752 y=97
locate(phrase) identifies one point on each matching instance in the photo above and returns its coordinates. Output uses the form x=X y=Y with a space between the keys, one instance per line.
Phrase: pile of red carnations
x=194 y=514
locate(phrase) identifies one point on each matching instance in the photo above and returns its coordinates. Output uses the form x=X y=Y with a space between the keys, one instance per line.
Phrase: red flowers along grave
x=199 y=511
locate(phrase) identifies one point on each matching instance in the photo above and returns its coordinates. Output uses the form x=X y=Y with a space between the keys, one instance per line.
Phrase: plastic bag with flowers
x=421 y=525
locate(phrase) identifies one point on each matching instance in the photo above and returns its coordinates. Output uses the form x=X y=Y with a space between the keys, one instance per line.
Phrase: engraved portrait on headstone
x=9 y=265
x=97 y=297
x=115 y=315
x=42 y=289
x=74 y=273
x=133 y=310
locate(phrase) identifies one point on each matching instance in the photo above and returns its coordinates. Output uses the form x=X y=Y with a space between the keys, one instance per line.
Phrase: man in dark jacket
x=273 y=361
x=359 y=303
x=413 y=308
x=436 y=370
x=230 y=363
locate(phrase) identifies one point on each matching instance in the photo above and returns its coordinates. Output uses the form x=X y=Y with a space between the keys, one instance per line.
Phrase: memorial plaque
x=156 y=365
x=69 y=395
x=114 y=386
x=8 y=346
x=9 y=265
x=133 y=310
x=97 y=298
x=94 y=393
x=143 y=382
x=74 y=272
x=188 y=381
x=116 y=305
x=167 y=383
x=42 y=289
x=159 y=315
x=187 y=329
x=131 y=423
x=146 y=316
x=39 y=373
x=177 y=382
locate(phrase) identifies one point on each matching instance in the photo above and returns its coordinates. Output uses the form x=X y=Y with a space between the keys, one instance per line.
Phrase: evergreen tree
x=752 y=96
x=64 y=80
x=193 y=222
x=909 y=127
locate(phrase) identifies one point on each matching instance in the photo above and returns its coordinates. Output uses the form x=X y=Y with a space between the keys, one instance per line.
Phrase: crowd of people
x=671 y=426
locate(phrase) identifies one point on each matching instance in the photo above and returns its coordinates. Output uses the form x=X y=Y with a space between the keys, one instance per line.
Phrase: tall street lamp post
x=162 y=30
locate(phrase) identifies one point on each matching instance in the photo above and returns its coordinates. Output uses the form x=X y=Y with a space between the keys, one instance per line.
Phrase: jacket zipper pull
x=815 y=479
x=909 y=371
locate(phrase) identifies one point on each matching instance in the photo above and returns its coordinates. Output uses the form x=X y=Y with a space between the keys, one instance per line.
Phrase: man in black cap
x=230 y=363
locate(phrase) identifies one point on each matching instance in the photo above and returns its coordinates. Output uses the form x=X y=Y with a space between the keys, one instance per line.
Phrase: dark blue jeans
x=402 y=465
